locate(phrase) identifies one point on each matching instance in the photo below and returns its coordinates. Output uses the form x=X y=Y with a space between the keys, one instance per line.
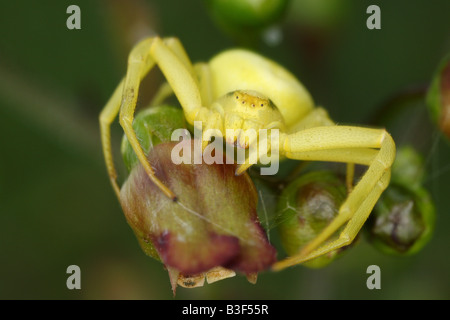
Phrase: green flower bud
x=246 y=19
x=152 y=126
x=402 y=222
x=408 y=168
x=247 y=13
x=306 y=207
x=213 y=223
x=438 y=97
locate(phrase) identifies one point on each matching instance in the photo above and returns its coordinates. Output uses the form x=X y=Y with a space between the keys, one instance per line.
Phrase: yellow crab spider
x=240 y=90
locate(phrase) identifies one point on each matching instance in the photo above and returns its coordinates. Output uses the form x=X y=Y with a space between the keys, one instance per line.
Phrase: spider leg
x=259 y=145
x=205 y=82
x=315 y=118
x=372 y=147
x=170 y=56
x=181 y=78
x=164 y=91
x=318 y=117
x=349 y=176
x=213 y=126
x=107 y=116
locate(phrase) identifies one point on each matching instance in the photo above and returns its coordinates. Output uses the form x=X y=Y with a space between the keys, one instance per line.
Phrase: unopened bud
x=152 y=126
x=438 y=98
x=212 y=224
x=408 y=168
x=246 y=19
x=402 y=222
x=306 y=207
x=244 y=13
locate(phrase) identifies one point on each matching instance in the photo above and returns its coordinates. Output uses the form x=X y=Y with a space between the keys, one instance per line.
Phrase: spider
x=238 y=89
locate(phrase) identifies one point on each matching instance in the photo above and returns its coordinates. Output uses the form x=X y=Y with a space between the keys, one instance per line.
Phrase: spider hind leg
x=349 y=145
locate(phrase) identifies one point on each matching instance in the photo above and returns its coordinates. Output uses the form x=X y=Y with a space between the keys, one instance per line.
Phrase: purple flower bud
x=213 y=222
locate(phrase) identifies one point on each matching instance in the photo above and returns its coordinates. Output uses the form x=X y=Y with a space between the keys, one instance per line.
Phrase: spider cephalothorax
x=244 y=110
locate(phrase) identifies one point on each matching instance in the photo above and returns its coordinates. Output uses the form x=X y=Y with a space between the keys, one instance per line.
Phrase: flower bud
x=438 y=97
x=306 y=207
x=408 y=168
x=212 y=224
x=152 y=126
x=247 y=13
x=402 y=222
x=245 y=20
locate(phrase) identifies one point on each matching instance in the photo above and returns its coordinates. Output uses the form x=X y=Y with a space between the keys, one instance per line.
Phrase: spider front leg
x=107 y=116
x=372 y=147
x=170 y=56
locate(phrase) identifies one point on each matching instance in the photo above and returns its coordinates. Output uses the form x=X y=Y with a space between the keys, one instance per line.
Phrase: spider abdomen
x=242 y=70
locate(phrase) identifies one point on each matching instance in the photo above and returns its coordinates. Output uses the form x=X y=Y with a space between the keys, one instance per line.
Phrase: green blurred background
x=57 y=207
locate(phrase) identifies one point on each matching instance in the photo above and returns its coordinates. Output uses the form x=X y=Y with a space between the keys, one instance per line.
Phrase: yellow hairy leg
x=107 y=116
x=349 y=145
x=316 y=117
x=173 y=61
